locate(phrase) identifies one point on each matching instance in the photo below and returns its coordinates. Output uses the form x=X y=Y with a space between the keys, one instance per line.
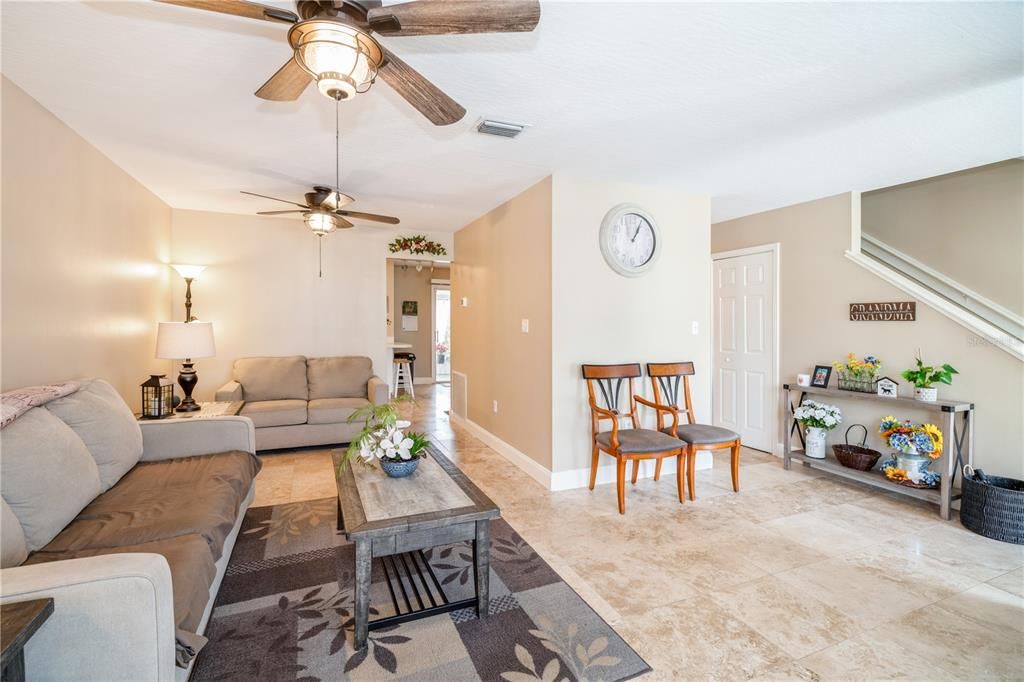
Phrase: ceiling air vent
x=500 y=128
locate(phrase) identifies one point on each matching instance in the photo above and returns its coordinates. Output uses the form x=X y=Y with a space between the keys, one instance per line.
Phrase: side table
x=207 y=410
x=18 y=622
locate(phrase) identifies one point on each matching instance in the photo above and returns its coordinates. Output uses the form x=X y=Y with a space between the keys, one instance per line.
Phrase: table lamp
x=185 y=341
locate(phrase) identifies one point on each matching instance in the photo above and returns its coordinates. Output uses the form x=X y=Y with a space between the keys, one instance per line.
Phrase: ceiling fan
x=332 y=43
x=324 y=212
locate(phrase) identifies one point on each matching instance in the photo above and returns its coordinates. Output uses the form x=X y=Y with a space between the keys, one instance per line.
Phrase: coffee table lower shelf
x=415 y=590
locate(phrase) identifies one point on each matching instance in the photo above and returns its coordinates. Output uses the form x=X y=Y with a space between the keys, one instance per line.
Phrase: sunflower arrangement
x=910 y=439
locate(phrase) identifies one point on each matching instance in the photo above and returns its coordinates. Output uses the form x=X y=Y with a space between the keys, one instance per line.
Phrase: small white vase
x=914 y=464
x=815 y=440
x=926 y=395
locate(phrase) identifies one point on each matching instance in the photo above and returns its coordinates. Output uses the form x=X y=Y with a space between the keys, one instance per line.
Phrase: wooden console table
x=956 y=422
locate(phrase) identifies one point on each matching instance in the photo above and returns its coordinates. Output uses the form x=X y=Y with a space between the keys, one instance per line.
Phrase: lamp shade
x=179 y=340
x=188 y=271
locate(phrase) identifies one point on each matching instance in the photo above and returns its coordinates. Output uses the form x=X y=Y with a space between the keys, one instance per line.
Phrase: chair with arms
x=632 y=444
x=667 y=378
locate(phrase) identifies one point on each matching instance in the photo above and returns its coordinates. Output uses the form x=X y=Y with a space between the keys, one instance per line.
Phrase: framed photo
x=822 y=373
x=410 y=307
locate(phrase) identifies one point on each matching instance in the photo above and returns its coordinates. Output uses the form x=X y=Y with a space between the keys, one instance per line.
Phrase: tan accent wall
x=817 y=284
x=968 y=226
x=504 y=268
x=416 y=286
x=84 y=247
x=262 y=293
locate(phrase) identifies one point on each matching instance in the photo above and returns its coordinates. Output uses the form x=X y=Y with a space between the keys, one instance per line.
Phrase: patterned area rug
x=284 y=612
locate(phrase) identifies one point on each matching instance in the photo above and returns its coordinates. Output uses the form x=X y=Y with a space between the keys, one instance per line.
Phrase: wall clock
x=629 y=238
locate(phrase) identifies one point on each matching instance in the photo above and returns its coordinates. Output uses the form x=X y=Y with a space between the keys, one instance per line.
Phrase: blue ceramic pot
x=399 y=469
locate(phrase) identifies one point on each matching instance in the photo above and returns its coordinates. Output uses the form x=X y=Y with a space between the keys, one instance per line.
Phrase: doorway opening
x=442 y=332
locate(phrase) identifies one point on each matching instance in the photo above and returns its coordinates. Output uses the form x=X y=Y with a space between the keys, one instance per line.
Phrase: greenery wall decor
x=417 y=245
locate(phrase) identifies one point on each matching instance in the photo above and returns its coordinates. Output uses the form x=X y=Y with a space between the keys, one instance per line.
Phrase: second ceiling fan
x=332 y=43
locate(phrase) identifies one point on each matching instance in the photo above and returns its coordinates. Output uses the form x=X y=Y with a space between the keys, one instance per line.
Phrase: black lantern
x=157 y=397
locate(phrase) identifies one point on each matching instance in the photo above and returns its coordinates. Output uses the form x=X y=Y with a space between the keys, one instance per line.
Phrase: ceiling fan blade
x=439 y=17
x=287 y=84
x=284 y=201
x=277 y=212
x=342 y=223
x=423 y=95
x=240 y=8
x=373 y=217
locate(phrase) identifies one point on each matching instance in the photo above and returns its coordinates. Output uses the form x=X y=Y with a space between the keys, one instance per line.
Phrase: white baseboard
x=532 y=468
x=573 y=478
x=580 y=478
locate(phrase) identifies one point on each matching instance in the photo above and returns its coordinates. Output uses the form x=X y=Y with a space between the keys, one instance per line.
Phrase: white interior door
x=744 y=350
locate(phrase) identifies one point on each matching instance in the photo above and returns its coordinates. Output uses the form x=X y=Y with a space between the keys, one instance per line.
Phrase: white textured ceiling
x=759 y=105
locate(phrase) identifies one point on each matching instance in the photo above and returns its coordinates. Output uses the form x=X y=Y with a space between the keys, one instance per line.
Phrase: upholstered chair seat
x=702 y=434
x=640 y=441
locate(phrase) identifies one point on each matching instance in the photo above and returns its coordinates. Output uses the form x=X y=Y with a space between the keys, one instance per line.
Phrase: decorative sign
x=897 y=311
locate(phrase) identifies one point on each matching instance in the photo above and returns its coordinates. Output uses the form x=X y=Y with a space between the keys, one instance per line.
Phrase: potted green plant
x=923 y=376
x=380 y=439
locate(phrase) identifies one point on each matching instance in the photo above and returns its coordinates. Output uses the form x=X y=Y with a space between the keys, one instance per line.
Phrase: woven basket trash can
x=993 y=506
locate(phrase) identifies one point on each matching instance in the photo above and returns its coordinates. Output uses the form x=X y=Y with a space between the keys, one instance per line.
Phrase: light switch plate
x=525 y=325
x=465 y=301
x=695 y=327
x=495 y=407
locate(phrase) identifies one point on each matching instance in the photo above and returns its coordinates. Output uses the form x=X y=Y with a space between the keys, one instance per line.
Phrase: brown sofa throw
x=338 y=377
x=15 y=403
x=272 y=378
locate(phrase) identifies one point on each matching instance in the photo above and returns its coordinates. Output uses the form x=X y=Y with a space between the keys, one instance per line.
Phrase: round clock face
x=633 y=240
x=629 y=240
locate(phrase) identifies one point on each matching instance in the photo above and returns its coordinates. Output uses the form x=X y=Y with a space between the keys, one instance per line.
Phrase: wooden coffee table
x=395 y=519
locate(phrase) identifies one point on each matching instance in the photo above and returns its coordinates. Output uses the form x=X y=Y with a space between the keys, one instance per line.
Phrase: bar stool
x=402 y=377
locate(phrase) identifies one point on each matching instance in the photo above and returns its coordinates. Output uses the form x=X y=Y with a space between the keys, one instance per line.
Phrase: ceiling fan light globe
x=342 y=59
x=321 y=223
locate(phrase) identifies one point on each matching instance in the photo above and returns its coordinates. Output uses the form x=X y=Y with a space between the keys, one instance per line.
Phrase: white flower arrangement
x=818 y=415
x=390 y=444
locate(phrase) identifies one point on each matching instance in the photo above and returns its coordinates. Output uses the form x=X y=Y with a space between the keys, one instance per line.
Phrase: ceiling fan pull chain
x=320 y=246
x=337 y=147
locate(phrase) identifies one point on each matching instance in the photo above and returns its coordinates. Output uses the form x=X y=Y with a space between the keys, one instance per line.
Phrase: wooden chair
x=667 y=378
x=625 y=445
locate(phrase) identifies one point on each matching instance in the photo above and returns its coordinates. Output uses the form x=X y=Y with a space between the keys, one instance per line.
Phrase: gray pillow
x=13 y=550
x=272 y=378
x=106 y=425
x=47 y=475
x=340 y=377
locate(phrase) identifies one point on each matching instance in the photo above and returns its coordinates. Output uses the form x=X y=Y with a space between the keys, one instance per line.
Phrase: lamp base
x=188 y=379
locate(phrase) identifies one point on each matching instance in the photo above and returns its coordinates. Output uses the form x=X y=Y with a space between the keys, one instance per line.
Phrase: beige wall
x=818 y=283
x=968 y=226
x=416 y=286
x=262 y=293
x=600 y=316
x=84 y=244
x=504 y=268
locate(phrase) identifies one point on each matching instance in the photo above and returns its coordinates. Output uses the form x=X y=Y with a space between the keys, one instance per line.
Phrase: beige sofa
x=128 y=526
x=296 y=401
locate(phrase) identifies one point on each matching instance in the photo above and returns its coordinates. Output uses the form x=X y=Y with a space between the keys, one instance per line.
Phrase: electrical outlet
x=695 y=327
x=495 y=407
x=525 y=325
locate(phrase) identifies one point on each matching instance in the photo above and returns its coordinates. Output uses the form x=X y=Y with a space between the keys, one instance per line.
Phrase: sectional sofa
x=296 y=401
x=128 y=526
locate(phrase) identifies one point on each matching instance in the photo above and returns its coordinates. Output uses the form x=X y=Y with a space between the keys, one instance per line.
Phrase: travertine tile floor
x=798 y=576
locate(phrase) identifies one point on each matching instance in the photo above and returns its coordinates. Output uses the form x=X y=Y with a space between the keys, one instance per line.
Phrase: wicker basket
x=857 y=385
x=856 y=456
x=992 y=506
